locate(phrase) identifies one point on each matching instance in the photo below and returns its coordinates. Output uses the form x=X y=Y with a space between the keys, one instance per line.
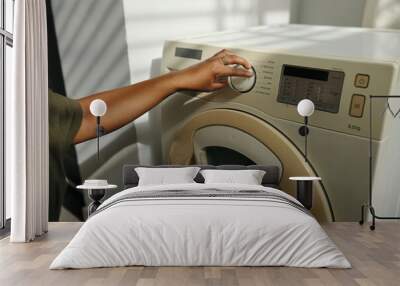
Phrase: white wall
x=382 y=14
x=149 y=23
x=328 y=12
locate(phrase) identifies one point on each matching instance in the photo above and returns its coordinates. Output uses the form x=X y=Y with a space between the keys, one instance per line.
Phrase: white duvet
x=200 y=231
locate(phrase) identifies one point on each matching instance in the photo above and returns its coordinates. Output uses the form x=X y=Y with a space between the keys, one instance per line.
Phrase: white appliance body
x=337 y=68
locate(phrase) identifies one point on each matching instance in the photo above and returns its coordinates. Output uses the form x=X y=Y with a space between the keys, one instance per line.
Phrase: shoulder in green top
x=65 y=116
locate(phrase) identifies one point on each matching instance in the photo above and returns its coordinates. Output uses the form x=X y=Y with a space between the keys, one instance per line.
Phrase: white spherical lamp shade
x=98 y=107
x=305 y=107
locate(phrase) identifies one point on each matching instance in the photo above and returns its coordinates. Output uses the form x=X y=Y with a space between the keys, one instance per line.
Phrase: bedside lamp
x=97 y=188
x=305 y=108
x=98 y=108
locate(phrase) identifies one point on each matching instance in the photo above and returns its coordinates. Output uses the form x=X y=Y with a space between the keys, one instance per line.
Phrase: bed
x=201 y=224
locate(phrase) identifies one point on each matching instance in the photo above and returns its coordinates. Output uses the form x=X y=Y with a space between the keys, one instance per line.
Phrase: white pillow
x=248 y=177
x=164 y=176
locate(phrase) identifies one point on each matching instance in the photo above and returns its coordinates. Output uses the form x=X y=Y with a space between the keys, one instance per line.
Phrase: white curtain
x=27 y=124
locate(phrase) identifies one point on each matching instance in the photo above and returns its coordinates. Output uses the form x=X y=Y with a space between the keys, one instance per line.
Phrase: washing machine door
x=224 y=136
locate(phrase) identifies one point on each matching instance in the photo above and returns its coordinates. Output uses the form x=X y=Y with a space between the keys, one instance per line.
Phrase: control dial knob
x=243 y=84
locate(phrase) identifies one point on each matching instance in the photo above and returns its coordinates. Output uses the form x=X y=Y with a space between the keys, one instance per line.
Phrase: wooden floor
x=375 y=257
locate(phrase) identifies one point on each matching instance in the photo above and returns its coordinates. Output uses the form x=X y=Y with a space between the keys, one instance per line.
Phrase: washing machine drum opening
x=225 y=145
x=217 y=155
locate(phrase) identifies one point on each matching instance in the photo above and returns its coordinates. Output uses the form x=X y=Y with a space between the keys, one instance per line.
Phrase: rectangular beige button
x=357 y=105
x=361 y=80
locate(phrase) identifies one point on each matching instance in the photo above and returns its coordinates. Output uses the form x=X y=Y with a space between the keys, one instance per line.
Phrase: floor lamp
x=369 y=205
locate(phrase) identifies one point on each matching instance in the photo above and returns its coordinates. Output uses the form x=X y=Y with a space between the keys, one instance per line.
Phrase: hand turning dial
x=243 y=84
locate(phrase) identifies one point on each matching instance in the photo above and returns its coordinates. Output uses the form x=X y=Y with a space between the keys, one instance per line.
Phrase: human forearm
x=125 y=104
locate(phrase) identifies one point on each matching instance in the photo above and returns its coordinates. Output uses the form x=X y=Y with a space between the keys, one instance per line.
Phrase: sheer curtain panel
x=27 y=124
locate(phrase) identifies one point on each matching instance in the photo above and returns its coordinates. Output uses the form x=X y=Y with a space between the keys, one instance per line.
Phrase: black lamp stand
x=99 y=132
x=369 y=205
x=303 y=131
x=95 y=195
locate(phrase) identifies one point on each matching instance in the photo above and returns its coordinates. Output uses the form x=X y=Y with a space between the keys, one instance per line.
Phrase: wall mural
x=96 y=47
x=270 y=99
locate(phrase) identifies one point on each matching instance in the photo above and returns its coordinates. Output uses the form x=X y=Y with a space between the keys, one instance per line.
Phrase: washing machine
x=257 y=122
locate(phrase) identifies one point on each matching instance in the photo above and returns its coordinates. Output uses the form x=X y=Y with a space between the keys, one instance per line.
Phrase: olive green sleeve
x=65 y=116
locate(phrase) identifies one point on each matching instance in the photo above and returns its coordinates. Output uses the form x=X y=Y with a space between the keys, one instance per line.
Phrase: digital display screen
x=188 y=53
x=323 y=87
x=306 y=73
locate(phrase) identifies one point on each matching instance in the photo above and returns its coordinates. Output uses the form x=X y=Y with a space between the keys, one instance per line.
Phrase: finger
x=218 y=85
x=222 y=79
x=223 y=52
x=231 y=71
x=234 y=59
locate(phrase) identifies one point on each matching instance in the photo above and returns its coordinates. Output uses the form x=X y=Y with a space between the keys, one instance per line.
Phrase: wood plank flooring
x=375 y=257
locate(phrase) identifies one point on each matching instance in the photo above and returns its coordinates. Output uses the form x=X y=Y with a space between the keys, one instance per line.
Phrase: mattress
x=201 y=225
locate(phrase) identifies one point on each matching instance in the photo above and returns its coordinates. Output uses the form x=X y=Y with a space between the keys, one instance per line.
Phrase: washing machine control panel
x=338 y=85
x=323 y=87
x=243 y=84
